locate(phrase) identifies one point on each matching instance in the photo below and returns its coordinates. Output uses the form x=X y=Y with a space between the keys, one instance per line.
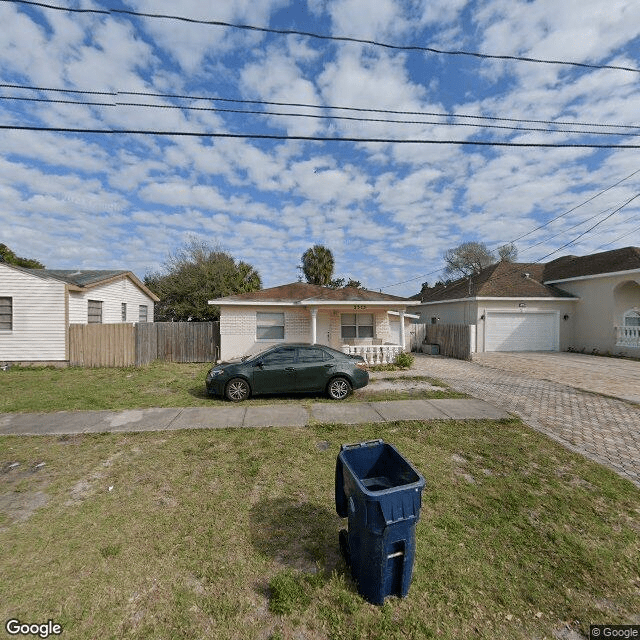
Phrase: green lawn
x=233 y=534
x=161 y=384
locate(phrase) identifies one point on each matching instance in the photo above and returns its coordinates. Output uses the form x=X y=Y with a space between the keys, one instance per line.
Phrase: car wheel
x=237 y=390
x=339 y=389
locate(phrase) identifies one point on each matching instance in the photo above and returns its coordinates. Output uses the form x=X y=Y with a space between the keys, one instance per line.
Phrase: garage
x=518 y=331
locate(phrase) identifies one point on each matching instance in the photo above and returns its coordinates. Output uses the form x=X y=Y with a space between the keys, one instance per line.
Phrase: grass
x=233 y=534
x=161 y=384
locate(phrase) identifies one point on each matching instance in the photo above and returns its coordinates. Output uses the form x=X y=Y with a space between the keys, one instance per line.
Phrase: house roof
x=510 y=279
x=88 y=278
x=625 y=259
x=501 y=280
x=303 y=293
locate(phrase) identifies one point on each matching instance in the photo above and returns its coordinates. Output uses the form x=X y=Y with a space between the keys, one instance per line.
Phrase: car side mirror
x=259 y=364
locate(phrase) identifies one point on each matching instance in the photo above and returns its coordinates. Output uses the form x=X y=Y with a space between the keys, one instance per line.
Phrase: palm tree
x=317 y=265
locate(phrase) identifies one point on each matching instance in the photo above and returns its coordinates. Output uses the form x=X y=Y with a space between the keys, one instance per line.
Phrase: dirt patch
x=20 y=505
x=24 y=485
x=410 y=386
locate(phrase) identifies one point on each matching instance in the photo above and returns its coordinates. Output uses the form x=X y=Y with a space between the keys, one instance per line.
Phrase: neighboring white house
x=37 y=306
x=369 y=323
x=589 y=303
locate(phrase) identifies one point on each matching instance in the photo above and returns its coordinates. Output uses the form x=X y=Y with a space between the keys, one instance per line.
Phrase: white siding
x=39 y=325
x=112 y=295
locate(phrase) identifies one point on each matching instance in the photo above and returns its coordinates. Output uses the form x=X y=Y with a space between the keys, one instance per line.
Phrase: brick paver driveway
x=602 y=428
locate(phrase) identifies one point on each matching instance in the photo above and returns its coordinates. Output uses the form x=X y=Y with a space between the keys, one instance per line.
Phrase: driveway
x=549 y=397
x=613 y=377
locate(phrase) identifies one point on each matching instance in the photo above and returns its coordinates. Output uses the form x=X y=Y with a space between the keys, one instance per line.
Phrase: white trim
x=595 y=275
x=406 y=315
x=500 y=298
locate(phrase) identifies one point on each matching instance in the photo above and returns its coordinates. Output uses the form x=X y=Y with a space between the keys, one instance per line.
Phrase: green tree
x=195 y=274
x=317 y=265
x=8 y=256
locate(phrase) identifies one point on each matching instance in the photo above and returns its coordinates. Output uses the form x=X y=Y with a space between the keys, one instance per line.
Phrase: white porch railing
x=374 y=354
x=628 y=337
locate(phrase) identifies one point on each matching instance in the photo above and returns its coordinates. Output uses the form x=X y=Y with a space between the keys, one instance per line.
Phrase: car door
x=314 y=367
x=275 y=372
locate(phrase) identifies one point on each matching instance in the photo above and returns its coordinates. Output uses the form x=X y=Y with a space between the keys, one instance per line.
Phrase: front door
x=275 y=372
x=323 y=329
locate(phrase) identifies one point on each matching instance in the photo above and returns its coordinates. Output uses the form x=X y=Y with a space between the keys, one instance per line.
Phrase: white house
x=37 y=306
x=589 y=303
x=374 y=325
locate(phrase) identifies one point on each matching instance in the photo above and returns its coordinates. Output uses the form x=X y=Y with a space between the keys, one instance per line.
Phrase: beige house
x=374 y=325
x=38 y=305
x=589 y=303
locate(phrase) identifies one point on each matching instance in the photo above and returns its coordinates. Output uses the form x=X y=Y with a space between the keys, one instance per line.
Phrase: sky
x=389 y=209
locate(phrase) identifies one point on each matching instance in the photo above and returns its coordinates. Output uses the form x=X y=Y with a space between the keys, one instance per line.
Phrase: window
x=357 y=325
x=281 y=356
x=632 y=318
x=95 y=311
x=6 y=314
x=123 y=313
x=270 y=326
x=142 y=313
x=311 y=354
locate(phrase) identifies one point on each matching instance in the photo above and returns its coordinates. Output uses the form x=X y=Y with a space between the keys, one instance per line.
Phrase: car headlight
x=213 y=373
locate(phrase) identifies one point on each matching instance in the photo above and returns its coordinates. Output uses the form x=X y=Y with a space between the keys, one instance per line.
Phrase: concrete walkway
x=238 y=415
x=604 y=429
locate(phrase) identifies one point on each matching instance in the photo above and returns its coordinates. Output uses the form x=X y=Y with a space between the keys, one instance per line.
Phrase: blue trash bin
x=380 y=493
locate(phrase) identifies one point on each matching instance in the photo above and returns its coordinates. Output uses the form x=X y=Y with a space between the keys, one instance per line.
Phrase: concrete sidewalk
x=276 y=415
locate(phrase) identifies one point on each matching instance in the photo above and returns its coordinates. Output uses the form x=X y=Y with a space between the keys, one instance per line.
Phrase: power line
x=115 y=94
x=318 y=116
x=424 y=275
x=263 y=136
x=318 y=36
x=517 y=266
x=574 y=208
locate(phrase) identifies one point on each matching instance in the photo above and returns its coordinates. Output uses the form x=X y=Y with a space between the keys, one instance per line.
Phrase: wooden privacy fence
x=454 y=340
x=126 y=345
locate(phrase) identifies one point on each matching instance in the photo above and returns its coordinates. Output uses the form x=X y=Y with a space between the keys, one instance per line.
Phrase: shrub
x=404 y=360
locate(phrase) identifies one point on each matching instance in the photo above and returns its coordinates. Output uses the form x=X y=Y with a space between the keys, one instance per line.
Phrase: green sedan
x=290 y=368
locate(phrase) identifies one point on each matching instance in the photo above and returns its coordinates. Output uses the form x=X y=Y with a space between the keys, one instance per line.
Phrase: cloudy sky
x=388 y=210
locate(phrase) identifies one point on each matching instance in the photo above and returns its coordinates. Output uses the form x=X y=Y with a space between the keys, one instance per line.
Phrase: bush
x=404 y=360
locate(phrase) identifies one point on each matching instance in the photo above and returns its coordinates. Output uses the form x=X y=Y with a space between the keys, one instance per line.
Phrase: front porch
x=374 y=353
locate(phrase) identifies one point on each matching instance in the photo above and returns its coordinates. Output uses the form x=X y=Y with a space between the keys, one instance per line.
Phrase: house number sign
x=359 y=306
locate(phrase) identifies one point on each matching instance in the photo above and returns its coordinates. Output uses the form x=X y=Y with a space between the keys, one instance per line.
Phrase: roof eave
x=506 y=299
x=594 y=275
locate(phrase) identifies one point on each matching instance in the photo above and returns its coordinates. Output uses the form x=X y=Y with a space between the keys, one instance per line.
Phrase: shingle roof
x=301 y=291
x=88 y=278
x=606 y=262
x=78 y=277
x=501 y=280
x=509 y=279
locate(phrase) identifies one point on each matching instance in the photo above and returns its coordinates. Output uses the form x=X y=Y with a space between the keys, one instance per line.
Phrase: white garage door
x=514 y=331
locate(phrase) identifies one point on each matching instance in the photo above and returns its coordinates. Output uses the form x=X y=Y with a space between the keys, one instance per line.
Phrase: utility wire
x=318 y=116
x=573 y=209
x=517 y=266
x=263 y=136
x=318 y=36
x=424 y=275
x=319 y=106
